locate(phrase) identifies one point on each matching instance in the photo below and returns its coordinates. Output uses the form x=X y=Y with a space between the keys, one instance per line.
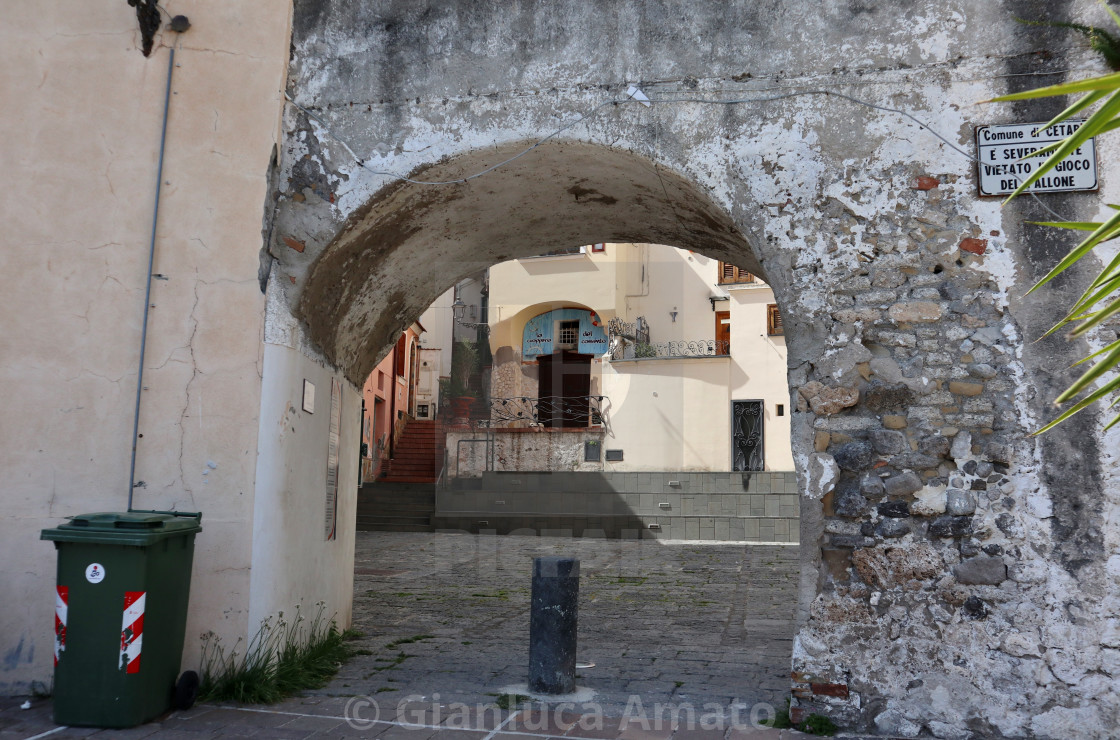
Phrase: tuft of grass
x=510 y=701
x=392 y=662
x=408 y=641
x=283 y=658
x=501 y=593
x=814 y=724
x=780 y=721
x=818 y=724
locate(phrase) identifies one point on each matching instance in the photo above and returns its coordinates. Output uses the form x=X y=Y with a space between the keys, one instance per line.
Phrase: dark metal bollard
x=552 y=625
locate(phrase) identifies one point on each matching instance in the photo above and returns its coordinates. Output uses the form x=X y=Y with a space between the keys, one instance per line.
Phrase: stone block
x=930 y=501
x=982 y=370
x=959 y=503
x=850 y=503
x=913 y=312
x=893 y=421
x=894 y=509
x=888 y=442
x=850 y=540
x=897 y=339
x=833 y=400
x=871 y=486
x=854 y=456
x=891 y=528
x=903 y=484
x=962 y=388
x=882 y=397
x=841 y=362
x=962 y=446
x=950 y=526
x=981 y=572
x=822 y=474
x=773 y=505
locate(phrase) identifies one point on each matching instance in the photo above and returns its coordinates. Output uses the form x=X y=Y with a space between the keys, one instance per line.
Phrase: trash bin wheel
x=186 y=690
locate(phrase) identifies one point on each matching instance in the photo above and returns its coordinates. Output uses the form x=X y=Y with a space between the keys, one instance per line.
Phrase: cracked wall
x=958 y=577
x=84 y=115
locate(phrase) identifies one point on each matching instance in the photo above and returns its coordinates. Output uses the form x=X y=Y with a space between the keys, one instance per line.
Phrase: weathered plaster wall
x=669 y=414
x=988 y=613
x=759 y=369
x=81 y=125
x=293 y=561
x=536 y=449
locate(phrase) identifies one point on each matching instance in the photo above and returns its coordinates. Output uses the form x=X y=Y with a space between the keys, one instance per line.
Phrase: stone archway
x=930 y=524
x=424 y=238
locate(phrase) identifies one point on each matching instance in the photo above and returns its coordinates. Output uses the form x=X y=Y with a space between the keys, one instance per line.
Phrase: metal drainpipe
x=148 y=289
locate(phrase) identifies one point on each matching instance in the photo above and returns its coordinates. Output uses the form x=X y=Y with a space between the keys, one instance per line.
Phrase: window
x=399 y=358
x=598 y=247
x=729 y=273
x=781 y=409
x=568 y=334
x=774 y=321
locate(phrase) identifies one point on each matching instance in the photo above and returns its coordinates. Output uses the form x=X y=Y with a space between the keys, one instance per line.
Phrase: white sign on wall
x=1002 y=167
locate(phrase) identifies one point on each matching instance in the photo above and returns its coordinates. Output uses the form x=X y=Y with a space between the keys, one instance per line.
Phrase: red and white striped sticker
x=132 y=630
x=61 y=606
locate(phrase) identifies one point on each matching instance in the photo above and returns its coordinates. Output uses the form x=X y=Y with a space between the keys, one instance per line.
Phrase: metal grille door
x=746 y=436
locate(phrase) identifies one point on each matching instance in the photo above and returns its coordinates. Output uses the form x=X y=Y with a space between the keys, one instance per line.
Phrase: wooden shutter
x=774 y=321
x=729 y=273
x=399 y=359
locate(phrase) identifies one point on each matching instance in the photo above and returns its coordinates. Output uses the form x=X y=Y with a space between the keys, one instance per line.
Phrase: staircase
x=403 y=499
x=418 y=456
x=386 y=506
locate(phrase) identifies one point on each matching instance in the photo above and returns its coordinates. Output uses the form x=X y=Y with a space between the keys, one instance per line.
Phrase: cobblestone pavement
x=702 y=629
x=689 y=622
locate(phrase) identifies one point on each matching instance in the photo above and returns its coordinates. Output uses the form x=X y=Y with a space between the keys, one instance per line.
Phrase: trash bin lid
x=125 y=527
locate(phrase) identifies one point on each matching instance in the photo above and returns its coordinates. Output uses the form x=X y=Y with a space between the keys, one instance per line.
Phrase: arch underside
x=411 y=242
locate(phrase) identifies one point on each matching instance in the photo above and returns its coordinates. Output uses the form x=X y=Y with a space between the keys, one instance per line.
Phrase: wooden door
x=564 y=383
x=723 y=332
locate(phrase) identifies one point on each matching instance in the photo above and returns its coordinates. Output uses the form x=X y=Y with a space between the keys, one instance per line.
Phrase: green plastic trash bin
x=120 y=614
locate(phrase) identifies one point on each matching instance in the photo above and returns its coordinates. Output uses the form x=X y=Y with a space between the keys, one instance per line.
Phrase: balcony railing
x=626 y=350
x=547 y=411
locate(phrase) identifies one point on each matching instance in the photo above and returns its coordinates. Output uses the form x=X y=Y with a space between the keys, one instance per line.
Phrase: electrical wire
x=656 y=101
x=468 y=178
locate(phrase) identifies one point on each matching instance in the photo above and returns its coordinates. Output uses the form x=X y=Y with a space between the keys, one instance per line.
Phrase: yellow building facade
x=691 y=346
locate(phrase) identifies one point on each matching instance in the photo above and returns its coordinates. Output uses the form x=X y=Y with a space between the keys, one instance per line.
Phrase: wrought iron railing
x=637 y=332
x=547 y=411
x=627 y=350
